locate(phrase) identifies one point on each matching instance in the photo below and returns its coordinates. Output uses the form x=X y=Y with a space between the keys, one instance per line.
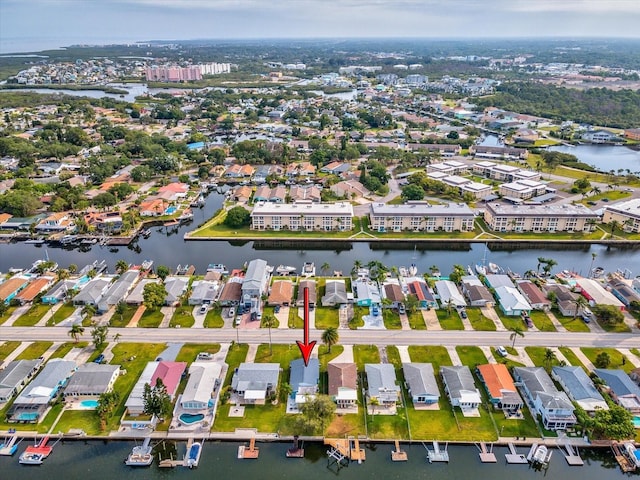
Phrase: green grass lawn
x=32 y=316
x=236 y=355
x=615 y=356
x=511 y=322
x=266 y=418
x=345 y=425
x=516 y=428
x=365 y=354
x=537 y=356
x=6 y=348
x=324 y=356
x=214 y=318
x=393 y=356
x=66 y=347
x=607 y=327
x=391 y=319
x=295 y=320
x=190 y=351
x=507 y=361
x=479 y=321
x=388 y=426
x=151 y=318
x=123 y=320
x=358 y=313
x=86 y=420
x=327 y=317
x=635 y=351
x=449 y=320
x=282 y=354
x=182 y=316
x=572 y=324
x=571 y=357
x=33 y=351
x=471 y=356
x=5 y=316
x=437 y=355
x=416 y=320
x=61 y=314
x=542 y=321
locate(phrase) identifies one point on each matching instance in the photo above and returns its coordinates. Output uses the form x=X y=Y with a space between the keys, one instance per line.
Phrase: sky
x=29 y=25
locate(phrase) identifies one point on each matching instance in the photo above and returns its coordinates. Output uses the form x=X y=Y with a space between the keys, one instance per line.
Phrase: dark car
x=463 y=313
x=99 y=359
x=276 y=309
x=527 y=321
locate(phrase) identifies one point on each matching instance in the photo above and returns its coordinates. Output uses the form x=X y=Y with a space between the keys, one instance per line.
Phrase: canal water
x=98 y=460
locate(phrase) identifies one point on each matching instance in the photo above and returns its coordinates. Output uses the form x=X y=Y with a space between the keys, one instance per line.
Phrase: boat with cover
x=141 y=455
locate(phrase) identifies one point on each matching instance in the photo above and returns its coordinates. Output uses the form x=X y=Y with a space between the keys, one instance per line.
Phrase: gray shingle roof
x=458 y=379
x=304 y=376
x=90 y=378
x=381 y=378
x=618 y=381
x=578 y=383
x=420 y=378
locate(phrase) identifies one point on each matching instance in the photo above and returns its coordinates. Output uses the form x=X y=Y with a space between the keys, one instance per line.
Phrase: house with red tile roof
x=35 y=287
x=500 y=387
x=153 y=207
x=536 y=298
x=281 y=293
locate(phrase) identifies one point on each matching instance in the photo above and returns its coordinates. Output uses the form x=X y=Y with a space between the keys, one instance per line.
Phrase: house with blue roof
x=579 y=387
x=304 y=381
x=621 y=388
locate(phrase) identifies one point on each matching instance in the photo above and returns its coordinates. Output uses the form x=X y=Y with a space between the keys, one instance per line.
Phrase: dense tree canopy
x=237 y=217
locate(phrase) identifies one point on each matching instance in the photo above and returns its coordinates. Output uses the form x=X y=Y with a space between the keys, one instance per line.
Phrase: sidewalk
x=19 y=349
x=583 y=358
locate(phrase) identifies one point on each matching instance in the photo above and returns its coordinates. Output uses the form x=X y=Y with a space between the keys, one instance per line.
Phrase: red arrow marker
x=307 y=347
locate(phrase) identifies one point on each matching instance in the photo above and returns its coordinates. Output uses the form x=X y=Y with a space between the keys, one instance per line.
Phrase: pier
x=9 y=446
x=571 y=455
x=250 y=452
x=438 y=455
x=296 y=451
x=398 y=455
x=486 y=454
x=623 y=461
x=347 y=448
x=513 y=457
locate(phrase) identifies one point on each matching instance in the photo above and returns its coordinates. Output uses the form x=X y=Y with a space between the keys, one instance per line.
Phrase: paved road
x=349 y=337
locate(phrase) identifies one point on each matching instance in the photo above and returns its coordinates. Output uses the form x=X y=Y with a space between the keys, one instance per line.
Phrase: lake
x=605 y=157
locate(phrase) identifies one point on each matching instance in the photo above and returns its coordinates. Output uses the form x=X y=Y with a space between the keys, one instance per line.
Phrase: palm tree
x=121 y=266
x=330 y=337
x=593 y=259
x=88 y=311
x=269 y=321
x=549 y=265
x=614 y=225
x=515 y=333
x=595 y=190
x=549 y=358
x=75 y=331
x=580 y=302
x=357 y=265
x=541 y=260
x=325 y=267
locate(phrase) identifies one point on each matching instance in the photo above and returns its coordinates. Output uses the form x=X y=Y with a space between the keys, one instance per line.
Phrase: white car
x=232 y=312
x=502 y=351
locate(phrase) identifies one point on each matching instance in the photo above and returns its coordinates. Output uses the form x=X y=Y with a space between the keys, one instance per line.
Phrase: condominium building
x=539 y=218
x=627 y=214
x=173 y=73
x=522 y=189
x=505 y=173
x=417 y=216
x=298 y=216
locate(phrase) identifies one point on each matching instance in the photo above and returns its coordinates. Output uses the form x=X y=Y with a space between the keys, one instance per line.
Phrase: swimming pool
x=27 y=417
x=636 y=421
x=189 y=418
x=170 y=210
x=89 y=404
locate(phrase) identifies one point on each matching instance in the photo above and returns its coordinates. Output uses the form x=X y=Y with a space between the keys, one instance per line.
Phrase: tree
x=156 y=400
x=549 y=358
x=325 y=267
x=269 y=321
x=122 y=266
x=316 y=413
x=121 y=307
x=107 y=403
x=608 y=314
x=99 y=334
x=88 y=311
x=237 y=217
x=616 y=423
x=411 y=303
x=153 y=295
x=593 y=259
x=330 y=337
x=163 y=271
x=116 y=337
x=549 y=264
x=580 y=302
x=614 y=225
x=603 y=360
x=515 y=333
x=412 y=191
x=76 y=331
x=456 y=275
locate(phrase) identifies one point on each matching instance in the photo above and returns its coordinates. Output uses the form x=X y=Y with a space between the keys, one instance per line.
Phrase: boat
x=309 y=269
x=413 y=270
x=68 y=239
x=470 y=271
x=285 y=269
x=597 y=272
x=187 y=214
x=88 y=241
x=632 y=453
x=9 y=446
x=34 y=241
x=146 y=265
x=481 y=269
x=495 y=269
x=194 y=453
x=141 y=455
x=540 y=454
x=217 y=267
x=31 y=458
x=146 y=233
x=35 y=454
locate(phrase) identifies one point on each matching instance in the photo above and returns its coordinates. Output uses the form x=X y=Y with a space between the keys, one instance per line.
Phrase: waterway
x=604 y=157
x=166 y=246
x=104 y=461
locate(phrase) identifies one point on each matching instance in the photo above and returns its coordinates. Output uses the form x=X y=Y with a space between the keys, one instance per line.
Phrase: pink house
x=170 y=373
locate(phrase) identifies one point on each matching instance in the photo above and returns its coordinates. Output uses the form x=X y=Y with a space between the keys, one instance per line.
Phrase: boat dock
x=398 y=455
x=437 y=455
x=9 y=446
x=572 y=456
x=539 y=455
x=296 y=451
x=249 y=452
x=194 y=450
x=347 y=448
x=623 y=461
x=513 y=457
x=486 y=454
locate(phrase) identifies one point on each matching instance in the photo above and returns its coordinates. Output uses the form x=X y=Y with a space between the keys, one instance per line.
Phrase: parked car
x=276 y=309
x=232 y=312
x=585 y=318
x=99 y=359
x=502 y=351
x=203 y=310
x=258 y=315
x=375 y=311
x=463 y=313
x=527 y=321
x=401 y=309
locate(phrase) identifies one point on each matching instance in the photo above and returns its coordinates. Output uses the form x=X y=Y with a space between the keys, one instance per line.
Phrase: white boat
x=31 y=458
x=632 y=453
x=540 y=455
x=470 y=271
x=141 y=455
x=193 y=456
x=217 y=267
x=34 y=241
x=481 y=269
x=494 y=268
x=285 y=269
x=309 y=269
x=146 y=265
x=413 y=270
x=9 y=446
x=187 y=214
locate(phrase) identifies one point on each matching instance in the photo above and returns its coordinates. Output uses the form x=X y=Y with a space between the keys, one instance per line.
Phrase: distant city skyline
x=31 y=25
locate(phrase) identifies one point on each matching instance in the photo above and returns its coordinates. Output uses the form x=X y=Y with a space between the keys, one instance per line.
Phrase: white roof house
x=91 y=380
x=253 y=382
x=203 y=378
x=176 y=286
x=596 y=293
x=511 y=301
x=135 y=402
x=448 y=292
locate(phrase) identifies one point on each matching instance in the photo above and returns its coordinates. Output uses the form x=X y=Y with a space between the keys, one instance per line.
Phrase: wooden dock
x=348 y=448
x=623 y=461
x=438 y=455
x=572 y=456
x=250 y=452
x=297 y=450
x=398 y=455
x=486 y=454
x=513 y=457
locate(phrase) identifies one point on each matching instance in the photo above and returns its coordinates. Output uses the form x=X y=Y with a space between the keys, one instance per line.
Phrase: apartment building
x=627 y=214
x=298 y=216
x=418 y=216
x=522 y=189
x=539 y=218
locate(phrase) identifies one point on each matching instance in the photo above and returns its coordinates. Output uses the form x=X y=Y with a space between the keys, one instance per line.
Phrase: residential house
x=231 y=293
x=511 y=301
x=422 y=384
x=499 y=385
x=449 y=294
x=170 y=374
x=35 y=288
x=477 y=294
x=544 y=399
x=419 y=288
x=176 y=286
x=383 y=391
x=204 y=378
x=176 y=190
x=153 y=207
x=253 y=383
x=461 y=390
x=255 y=284
x=304 y=380
x=281 y=293
x=343 y=384
x=262 y=194
x=600 y=136
x=32 y=403
x=92 y=292
x=393 y=292
x=204 y=292
x=118 y=291
x=242 y=194
x=621 y=388
x=595 y=292
x=532 y=293
x=349 y=189
x=309 y=193
x=622 y=290
x=335 y=293
x=136 y=296
x=15 y=375
x=577 y=384
x=313 y=294
x=90 y=381
x=565 y=298
x=366 y=292
x=56 y=222
x=59 y=292
x=12 y=287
